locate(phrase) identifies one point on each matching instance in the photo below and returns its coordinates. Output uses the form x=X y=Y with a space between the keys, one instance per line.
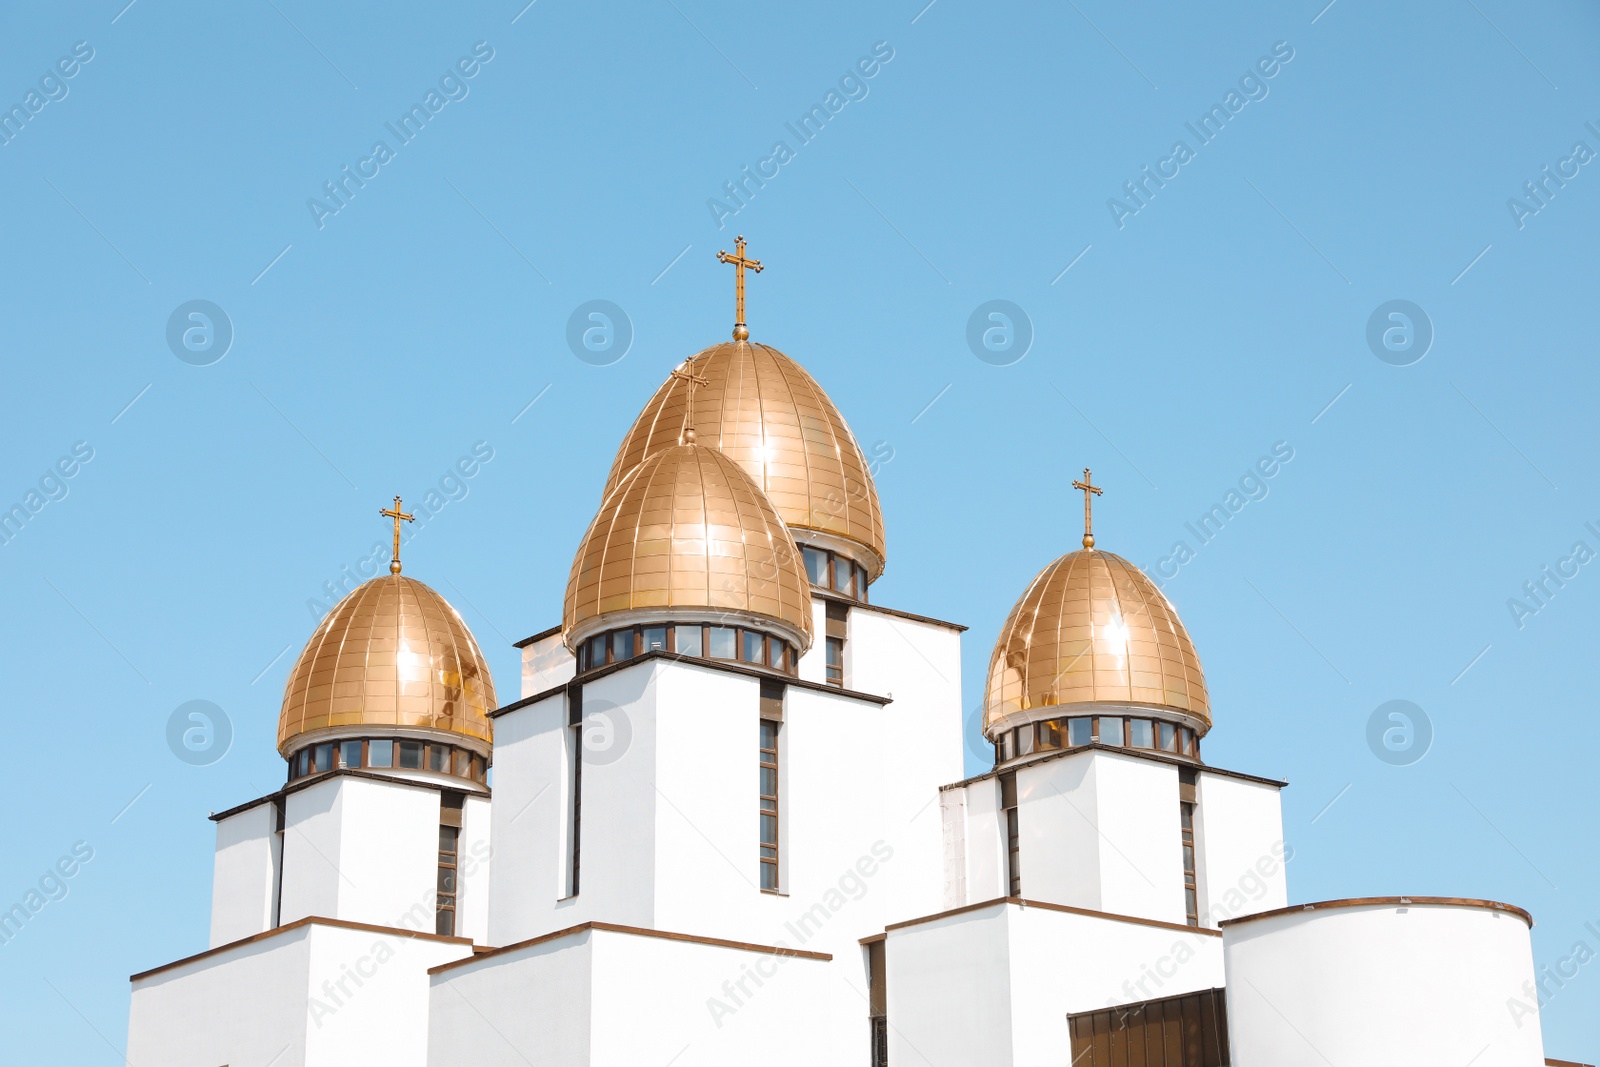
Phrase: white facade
x=612 y=889
x=1394 y=983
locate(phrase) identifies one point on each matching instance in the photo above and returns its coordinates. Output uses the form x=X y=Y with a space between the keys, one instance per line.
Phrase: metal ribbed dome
x=687 y=533
x=1094 y=628
x=391 y=653
x=762 y=408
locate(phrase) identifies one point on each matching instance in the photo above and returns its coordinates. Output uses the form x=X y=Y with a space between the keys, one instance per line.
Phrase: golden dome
x=762 y=408
x=687 y=531
x=393 y=653
x=1092 y=627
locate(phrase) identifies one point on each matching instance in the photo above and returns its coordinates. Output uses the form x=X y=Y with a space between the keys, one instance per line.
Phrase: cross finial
x=1090 y=491
x=686 y=373
x=740 y=261
x=398 y=516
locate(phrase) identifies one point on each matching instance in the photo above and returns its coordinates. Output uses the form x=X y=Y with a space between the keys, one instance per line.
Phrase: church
x=723 y=821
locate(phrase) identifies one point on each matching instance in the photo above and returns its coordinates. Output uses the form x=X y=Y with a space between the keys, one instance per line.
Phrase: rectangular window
x=463 y=763
x=1169 y=737
x=755 y=647
x=323 y=756
x=597 y=650
x=1008 y=803
x=836 y=661
x=411 y=755
x=1079 y=731
x=1186 y=824
x=1050 y=734
x=844 y=575
x=769 y=805
x=380 y=753
x=724 y=642
x=1110 y=730
x=686 y=641
x=817 y=566
x=1140 y=734
x=775 y=651
x=449 y=841
x=861 y=584
x=655 y=639
x=621 y=645
x=1025 y=740
x=577 y=802
x=439 y=758
x=349 y=753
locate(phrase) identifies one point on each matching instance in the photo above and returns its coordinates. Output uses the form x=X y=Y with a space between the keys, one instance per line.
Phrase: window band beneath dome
x=742 y=644
x=388 y=754
x=1113 y=731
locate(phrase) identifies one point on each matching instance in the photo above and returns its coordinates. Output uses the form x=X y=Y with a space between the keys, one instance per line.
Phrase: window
x=1049 y=734
x=755 y=650
x=597 y=650
x=411 y=755
x=1186 y=741
x=1140 y=734
x=844 y=574
x=463 y=763
x=1008 y=802
x=655 y=639
x=439 y=758
x=775 y=653
x=1190 y=897
x=349 y=753
x=621 y=645
x=1110 y=730
x=836 y=661
x=380 y=754
x=1169 y=737
x=1079 y=731
x=769 y=805
x=686 y=640
x=723 y=642
x=322 y=758
x=861 y=584
x=575 y=716
x=1025 y=740
x=449 y=841
x=816 y=566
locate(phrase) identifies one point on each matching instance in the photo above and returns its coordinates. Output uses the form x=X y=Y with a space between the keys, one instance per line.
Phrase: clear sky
x=1176 y=340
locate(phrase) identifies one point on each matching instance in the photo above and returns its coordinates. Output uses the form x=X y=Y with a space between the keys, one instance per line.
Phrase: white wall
x=1239 y=846
x=609 y=999
x=244 y=881
x=1381 y=986
x=546 y=663
x=528 y=816
x=995 y=985
x=264 y=1002
x=473 y=869
x=363 y=850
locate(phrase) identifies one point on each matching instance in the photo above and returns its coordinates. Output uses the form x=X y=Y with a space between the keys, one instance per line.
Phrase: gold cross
x=398 y=516
x=1090 y=491
x=740 y=261
x=687 y=374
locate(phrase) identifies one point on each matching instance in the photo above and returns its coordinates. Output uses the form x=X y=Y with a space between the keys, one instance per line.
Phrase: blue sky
x=374 y=346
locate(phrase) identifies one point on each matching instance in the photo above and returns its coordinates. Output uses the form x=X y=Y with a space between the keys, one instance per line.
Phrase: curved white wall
x=1380 y=985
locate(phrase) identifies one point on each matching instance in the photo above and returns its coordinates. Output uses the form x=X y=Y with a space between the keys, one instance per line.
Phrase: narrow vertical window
x=878 y=1003
x=1008 y=801
x=769 y=805
x=449 y=842
x=575 y=727
x=838 y=622
x=836 y=661
x=1190 y=896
